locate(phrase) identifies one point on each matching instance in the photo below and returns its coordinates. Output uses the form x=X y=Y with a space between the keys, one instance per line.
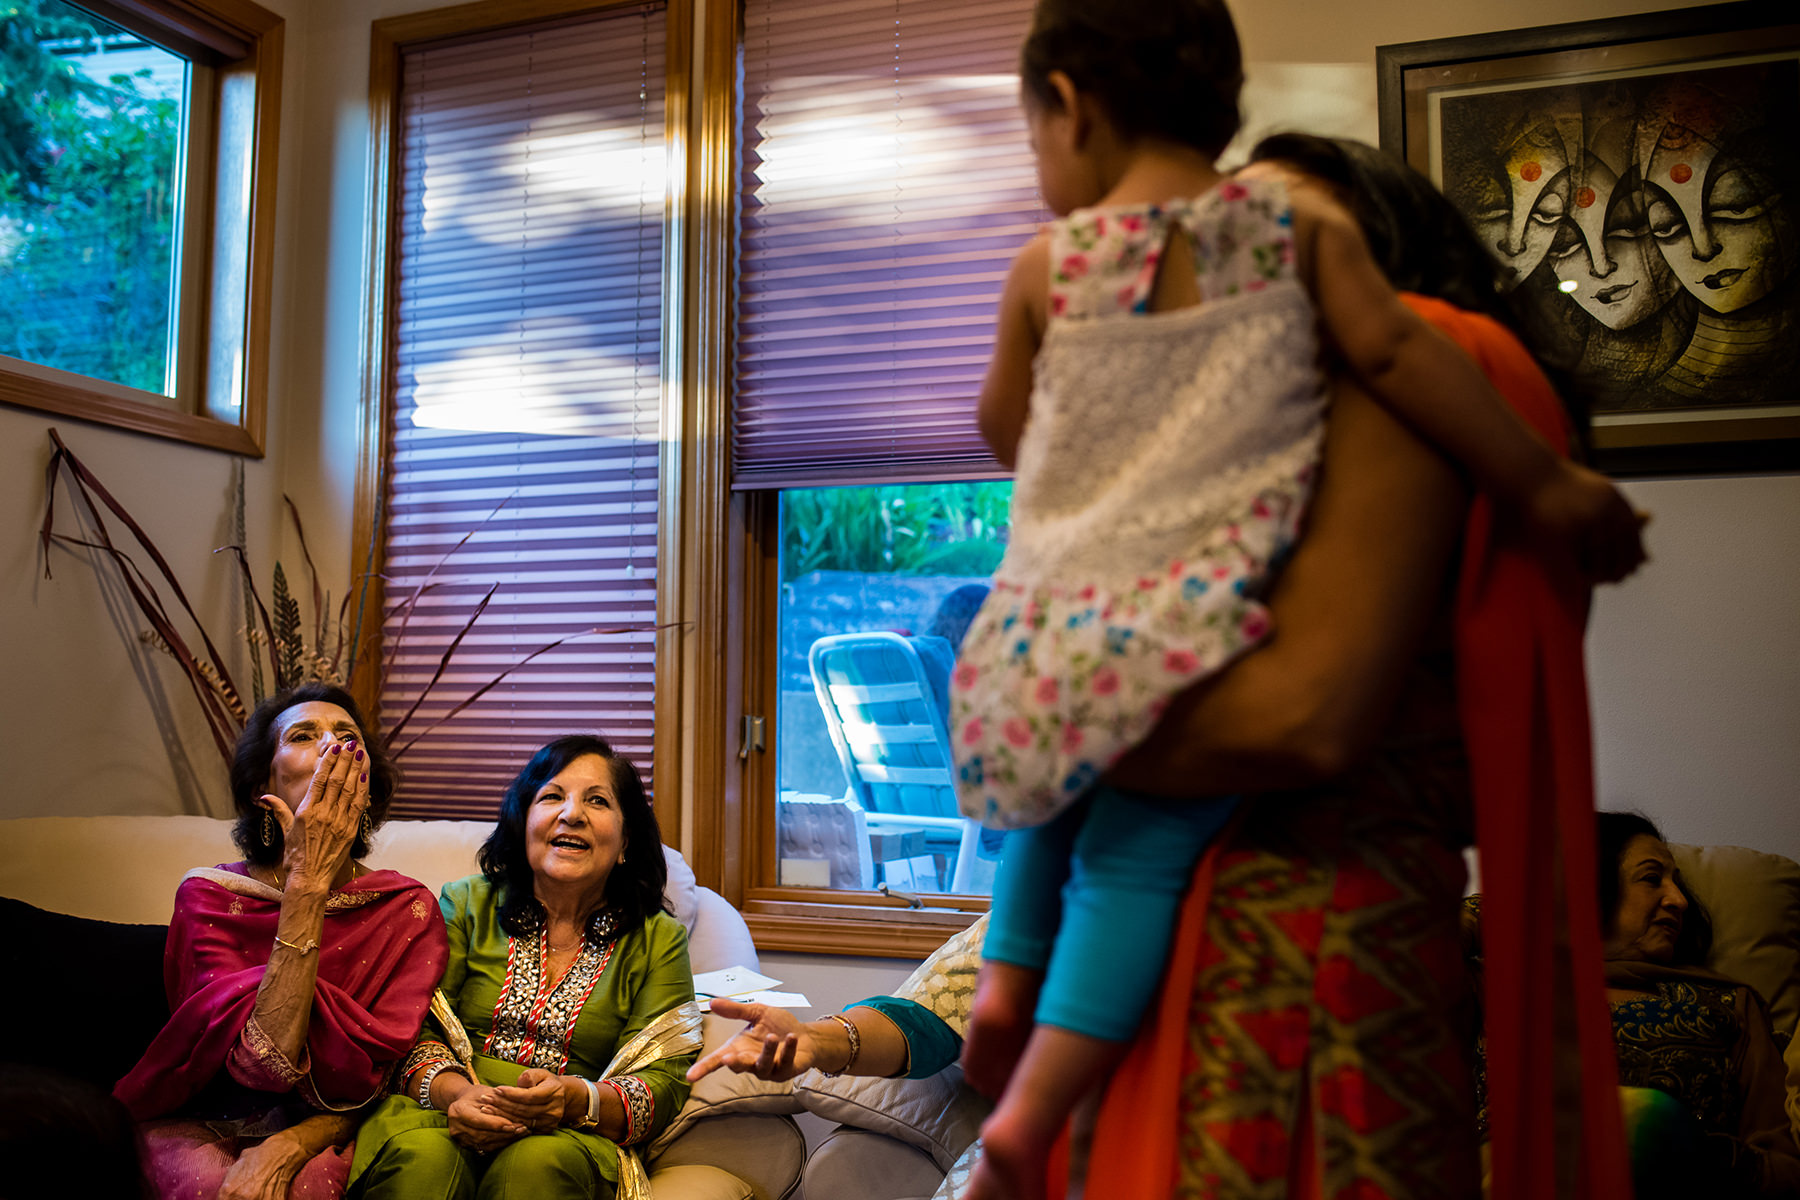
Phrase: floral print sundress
x=1164 y=468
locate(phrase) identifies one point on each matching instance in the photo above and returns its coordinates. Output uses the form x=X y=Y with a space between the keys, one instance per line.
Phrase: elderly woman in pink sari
x=296 y=978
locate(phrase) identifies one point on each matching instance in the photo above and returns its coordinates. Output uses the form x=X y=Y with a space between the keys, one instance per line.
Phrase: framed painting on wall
x=1638 y=182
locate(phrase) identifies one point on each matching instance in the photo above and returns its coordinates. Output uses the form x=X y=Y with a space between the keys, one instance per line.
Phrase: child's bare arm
x=1006 y=391
x=1428 y=382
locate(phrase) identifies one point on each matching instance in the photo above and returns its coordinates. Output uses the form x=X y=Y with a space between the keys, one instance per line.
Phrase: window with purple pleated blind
x=527 y=390
x=886 y=185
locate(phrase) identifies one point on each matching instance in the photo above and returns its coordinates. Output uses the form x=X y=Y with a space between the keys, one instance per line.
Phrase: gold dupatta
x=676 y=1032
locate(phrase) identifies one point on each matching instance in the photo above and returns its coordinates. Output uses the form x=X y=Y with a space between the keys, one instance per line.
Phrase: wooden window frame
x=388 y=38
x=734 y=566
x=228 y=250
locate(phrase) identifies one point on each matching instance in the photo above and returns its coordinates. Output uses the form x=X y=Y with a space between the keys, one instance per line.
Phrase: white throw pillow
x=938 y=1115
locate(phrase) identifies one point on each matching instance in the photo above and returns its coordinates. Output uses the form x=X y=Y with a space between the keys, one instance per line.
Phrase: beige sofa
x=124 y=870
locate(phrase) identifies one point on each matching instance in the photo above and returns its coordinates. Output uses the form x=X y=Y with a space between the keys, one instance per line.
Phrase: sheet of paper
x=772 y=999
x=731 y=981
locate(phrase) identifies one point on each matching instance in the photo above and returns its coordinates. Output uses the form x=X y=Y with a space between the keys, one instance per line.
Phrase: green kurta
x=645 y=974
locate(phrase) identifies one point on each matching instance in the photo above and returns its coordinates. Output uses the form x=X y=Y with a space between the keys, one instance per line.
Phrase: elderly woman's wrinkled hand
x=266 y=1170
x=536 y=1101
x=774 y=1046
x=319 y=833
x=478 y=1122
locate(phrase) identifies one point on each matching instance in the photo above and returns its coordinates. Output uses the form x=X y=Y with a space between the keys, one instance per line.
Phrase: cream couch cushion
x=126 y=868
x=692 y=1181
x=1754 y=901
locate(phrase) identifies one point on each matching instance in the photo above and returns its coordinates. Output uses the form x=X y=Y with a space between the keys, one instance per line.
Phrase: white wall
x=1694 y=665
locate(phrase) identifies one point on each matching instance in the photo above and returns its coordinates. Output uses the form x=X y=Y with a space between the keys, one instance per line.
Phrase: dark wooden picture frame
x=1638 y=180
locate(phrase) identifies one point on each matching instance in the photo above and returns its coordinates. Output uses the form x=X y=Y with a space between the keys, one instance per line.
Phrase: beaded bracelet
x=431 y=1073
x=855 y=1036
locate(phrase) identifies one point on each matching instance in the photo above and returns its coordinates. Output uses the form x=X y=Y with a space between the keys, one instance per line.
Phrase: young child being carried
x=1163 y=338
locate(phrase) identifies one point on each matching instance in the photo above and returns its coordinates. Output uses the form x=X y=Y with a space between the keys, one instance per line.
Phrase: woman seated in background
x=297 y=978
x=1704 y=1087
x=569 y=1021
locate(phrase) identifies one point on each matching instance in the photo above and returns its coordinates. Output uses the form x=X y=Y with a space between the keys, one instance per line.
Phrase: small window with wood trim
x=137 y=153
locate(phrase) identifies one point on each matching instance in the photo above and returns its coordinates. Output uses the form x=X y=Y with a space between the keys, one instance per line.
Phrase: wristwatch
x=593 y=1110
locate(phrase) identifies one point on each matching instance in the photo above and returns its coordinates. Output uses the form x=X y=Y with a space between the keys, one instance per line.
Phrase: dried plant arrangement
x=277 y=633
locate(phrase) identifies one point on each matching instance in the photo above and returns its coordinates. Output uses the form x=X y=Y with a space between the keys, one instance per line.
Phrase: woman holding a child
x=1310 y=1040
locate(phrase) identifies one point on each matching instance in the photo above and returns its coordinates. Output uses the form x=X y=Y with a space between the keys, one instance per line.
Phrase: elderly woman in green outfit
x=565 y=1024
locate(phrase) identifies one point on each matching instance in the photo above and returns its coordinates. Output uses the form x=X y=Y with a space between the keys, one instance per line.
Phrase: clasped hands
x=489 y=1118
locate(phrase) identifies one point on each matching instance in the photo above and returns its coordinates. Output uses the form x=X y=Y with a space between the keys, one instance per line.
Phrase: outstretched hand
x=1581 y=510
x=774 y=1045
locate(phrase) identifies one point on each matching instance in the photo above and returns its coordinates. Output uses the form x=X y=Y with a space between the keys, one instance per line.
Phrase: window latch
x=910 y=900
x=753 y=737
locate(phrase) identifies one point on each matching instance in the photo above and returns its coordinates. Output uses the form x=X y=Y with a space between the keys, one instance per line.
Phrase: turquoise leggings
x=1091 y=899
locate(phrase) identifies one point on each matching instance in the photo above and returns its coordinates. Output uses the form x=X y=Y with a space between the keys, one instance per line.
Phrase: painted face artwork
x=1603 y=254
x=1516 y=208
x=1721 y=224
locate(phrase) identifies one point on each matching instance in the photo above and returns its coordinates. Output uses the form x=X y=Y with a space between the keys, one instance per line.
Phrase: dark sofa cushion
x=83 y=997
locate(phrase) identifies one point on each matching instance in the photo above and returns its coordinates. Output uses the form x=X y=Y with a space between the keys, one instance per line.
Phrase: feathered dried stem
x=154 y=640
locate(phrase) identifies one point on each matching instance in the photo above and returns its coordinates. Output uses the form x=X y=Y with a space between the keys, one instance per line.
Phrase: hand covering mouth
x=1723 y=279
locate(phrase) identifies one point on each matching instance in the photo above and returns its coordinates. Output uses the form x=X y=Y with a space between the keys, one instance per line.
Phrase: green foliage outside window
x=88 y=180
x=903 y=529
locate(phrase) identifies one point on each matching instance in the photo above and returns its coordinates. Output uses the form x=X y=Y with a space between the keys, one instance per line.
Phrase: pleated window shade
x=527 y=396
x=886 y=186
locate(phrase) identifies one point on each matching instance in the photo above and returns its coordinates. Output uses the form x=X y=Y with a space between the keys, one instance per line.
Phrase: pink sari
x=382 y=951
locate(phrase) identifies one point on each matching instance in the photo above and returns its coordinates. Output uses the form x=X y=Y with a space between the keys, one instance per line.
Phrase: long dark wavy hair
x=255 y=753
x=1170 y=69
x=1423 y=244
x=1613 y=832
x=634 y=889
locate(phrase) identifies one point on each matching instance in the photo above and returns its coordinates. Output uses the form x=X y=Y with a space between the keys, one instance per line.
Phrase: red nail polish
x=359 y=756
x=365 y=777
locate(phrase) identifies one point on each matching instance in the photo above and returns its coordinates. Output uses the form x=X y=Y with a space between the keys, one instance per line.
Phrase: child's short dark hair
x=1161 y=68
